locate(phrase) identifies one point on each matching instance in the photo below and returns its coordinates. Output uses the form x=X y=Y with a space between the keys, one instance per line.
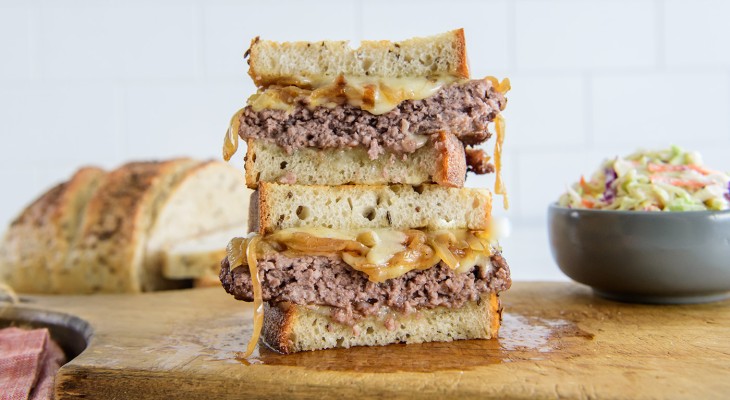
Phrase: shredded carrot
x=702 y=170
x=583 y=184
x=588 y=203
x=666 y=167
x=686 y=183
x=676 y=168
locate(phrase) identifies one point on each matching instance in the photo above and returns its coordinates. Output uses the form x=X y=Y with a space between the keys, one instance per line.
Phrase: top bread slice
x=300 y=63
x=33 y=250
x=275 y=207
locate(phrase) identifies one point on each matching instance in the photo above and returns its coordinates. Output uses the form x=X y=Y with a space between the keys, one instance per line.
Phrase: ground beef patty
x=463 y=109
x=331 y=282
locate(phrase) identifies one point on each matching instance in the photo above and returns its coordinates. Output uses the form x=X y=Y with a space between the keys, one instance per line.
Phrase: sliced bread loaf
x=33 y=251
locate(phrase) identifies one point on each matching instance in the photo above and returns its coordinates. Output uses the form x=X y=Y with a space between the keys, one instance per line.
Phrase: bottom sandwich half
x=327 y=300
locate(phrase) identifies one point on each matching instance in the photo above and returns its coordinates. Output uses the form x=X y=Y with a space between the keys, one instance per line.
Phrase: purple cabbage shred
x=727 y=195
x=610 y=191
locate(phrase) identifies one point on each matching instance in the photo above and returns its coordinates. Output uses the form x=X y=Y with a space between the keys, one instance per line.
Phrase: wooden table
x=557 y=340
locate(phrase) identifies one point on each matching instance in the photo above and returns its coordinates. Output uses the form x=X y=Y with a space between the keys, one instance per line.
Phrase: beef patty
x=462 y=109
x=329 y=281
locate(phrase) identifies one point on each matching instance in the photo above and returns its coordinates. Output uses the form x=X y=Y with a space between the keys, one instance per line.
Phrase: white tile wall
x=697 y=33
x=15 y=42
x=84 y=82
x=575 y=34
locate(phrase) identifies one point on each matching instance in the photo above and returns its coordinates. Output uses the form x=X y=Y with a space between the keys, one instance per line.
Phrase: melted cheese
x=375 y=95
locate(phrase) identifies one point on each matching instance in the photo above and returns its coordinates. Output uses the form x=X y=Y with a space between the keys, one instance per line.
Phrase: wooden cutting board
x=557 y=340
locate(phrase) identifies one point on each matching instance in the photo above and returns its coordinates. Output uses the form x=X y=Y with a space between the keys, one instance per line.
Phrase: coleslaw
x=664 y=180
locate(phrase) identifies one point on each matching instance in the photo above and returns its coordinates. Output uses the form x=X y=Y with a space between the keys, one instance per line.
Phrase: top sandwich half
x=386 y=112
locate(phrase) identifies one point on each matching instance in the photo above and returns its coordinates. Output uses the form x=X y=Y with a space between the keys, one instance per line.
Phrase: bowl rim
x=555 y=206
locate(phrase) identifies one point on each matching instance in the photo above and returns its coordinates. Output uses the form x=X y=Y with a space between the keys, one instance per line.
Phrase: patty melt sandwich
x=361 y=232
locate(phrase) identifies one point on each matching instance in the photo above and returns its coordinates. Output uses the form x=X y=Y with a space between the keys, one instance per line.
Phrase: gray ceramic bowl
x=646 y=257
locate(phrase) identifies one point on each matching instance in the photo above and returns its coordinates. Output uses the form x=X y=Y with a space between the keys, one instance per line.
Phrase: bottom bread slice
x=290 y=328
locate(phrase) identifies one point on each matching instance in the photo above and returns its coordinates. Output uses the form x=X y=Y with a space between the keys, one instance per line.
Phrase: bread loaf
x=104 y=232
x=34 y=248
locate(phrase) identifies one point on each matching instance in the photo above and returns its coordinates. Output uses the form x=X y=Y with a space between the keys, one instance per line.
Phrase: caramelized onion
x=234 y=252
x=499 y=187
x=230 y=141
x=258 y=301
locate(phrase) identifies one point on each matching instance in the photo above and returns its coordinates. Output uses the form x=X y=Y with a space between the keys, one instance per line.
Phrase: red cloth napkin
x=29 y=360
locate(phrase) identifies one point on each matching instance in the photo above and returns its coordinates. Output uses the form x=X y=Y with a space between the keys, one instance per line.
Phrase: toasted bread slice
x=33 y=251
x=292 y=328
x=442 y=162
x=274 y=207
x=300 y=63
x=199 y=256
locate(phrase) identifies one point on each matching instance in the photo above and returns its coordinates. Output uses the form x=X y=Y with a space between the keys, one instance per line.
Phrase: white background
x=104 y=82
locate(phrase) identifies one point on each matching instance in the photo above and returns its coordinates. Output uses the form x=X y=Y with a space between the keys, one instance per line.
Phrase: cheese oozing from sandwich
x=375 y=95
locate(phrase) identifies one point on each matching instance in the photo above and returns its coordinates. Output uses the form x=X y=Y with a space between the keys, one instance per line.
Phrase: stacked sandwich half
x=361 y=232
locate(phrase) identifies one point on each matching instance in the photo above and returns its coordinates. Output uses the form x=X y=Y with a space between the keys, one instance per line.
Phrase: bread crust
x=462 y=67
x=452 y=161
x=479 y=319
x=278 y=326
x=33 y=250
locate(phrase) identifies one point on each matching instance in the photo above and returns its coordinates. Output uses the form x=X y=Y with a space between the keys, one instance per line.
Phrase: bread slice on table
x=199 y=256
x=209 y=198
x=290 y=328
x=275 y=207
x=301 y=62
x=442 y=162
x=33 y=250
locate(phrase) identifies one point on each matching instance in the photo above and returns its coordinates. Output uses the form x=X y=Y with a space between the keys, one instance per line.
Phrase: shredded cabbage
x=665 y=180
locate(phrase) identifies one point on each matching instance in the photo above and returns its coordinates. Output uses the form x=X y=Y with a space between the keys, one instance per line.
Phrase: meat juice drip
x=523 y=338
x=258 y=302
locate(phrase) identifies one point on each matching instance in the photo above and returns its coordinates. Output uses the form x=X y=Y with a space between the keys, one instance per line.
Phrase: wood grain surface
x=557 y=341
